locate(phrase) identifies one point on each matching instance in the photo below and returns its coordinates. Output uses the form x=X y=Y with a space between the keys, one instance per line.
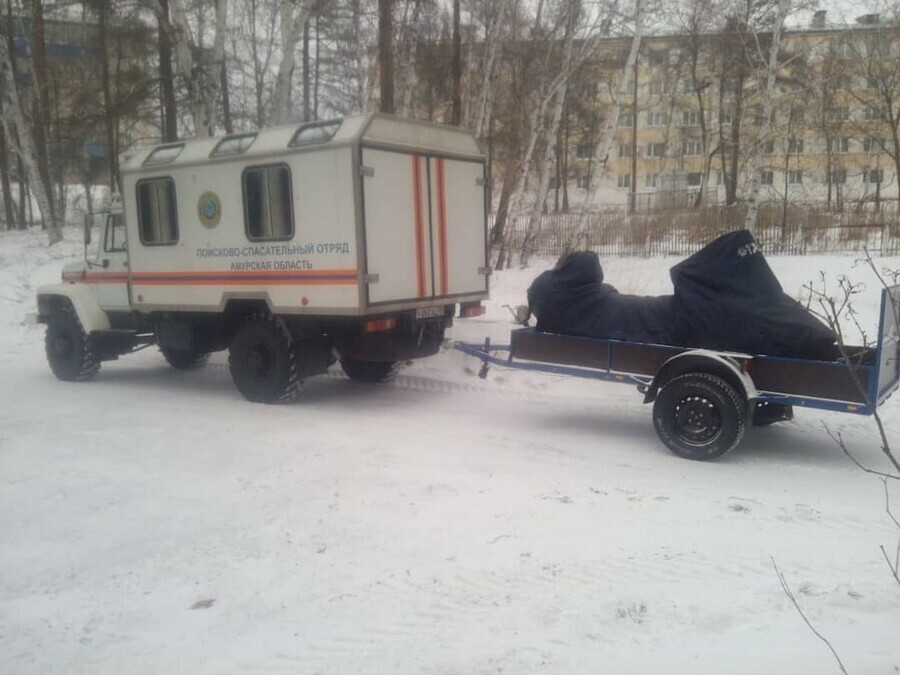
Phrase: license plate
x=429 y=312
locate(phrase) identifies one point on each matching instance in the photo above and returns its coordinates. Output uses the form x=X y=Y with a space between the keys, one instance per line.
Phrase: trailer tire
x=68 y=347
x=263 y=361
x=184 y=359
x=699 y=416
x=370 y=372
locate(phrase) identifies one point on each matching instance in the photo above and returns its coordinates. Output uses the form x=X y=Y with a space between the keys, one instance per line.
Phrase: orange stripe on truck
x=419 y=225
x=442 y=227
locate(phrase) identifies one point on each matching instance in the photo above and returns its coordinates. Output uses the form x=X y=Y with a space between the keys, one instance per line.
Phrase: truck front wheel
x=699 y=416
x=368 y=371
x=264 y=361
x=69 y=347
x=184 y=359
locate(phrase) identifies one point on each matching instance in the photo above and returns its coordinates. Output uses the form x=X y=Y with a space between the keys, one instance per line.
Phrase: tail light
x=379 y=325
x=467 y=311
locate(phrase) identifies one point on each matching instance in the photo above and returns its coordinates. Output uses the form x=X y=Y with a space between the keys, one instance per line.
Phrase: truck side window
x=268 y=206
x=157 y=213
x=115 y=233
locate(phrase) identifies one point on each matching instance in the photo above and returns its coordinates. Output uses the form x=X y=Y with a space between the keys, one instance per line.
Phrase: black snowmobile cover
x=726 y=298
x=572 y=299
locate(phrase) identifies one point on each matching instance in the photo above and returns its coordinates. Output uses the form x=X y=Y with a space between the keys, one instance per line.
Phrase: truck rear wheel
x=368 y=371
x=699 y=416
x=68 y=347
x=184 y=359
x=264 y=361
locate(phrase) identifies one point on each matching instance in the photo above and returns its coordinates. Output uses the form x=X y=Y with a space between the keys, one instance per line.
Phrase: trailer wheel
x=184 y=359
x=263 y=361
x=699 y=416
x=68 y=347
x=368 y=371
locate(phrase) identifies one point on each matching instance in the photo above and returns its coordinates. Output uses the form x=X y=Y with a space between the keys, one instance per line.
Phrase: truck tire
x=699 y=416
x=184 y=359
x=264 y=361
x=68 y=347
x=368 y=371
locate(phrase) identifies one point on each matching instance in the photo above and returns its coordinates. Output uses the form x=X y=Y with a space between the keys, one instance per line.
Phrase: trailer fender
x=702 y=361
x=82 y=300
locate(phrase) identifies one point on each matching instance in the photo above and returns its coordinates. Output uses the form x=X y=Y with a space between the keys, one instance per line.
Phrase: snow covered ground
x=154 y=522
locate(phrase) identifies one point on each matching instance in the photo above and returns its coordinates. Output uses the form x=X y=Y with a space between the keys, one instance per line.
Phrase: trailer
x=702 y=399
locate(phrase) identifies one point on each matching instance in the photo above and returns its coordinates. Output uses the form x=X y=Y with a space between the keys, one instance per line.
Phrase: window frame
x=109 y=246
x=266 y=167
x=137 y=190
x=150 y=161
x=336 y=123
x=216 y=152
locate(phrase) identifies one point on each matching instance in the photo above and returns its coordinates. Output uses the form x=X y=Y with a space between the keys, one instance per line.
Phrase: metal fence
x=795 y=229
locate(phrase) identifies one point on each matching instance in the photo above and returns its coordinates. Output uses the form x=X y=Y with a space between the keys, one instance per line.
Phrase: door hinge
x=370 y=278
x=366 y=171
x=484 y=270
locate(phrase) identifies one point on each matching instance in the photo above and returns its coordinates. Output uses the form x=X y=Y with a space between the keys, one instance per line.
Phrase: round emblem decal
x=209 y=209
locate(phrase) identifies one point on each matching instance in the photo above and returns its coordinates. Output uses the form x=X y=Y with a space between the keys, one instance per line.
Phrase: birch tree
x=769 y=93
x=18 y=131
x=293 y=22
x=201 y=73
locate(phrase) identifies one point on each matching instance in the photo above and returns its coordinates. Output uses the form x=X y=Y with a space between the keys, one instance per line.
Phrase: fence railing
x=798 y=229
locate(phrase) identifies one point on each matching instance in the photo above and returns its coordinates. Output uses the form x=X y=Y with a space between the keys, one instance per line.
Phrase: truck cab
x=357 y=240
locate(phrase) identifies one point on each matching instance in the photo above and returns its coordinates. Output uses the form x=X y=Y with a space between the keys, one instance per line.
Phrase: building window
x=650 y=180
x=874 y=176
x=626 y=120
x=694 y=178
x=769 y=147
x=795 y=146
x=624 y=149
x=690 y=118
x=872 y=83
x=720 y=177
x=624 y=180
x=691 y=148
x=657 y=119
x=584 y=182
x=842 y=50
x=872 y=114
x=659 y=87
x=767 y=178
x=839 y=146
x=843 y=83
x=795 y=178
x=839 y=176
x=584 y=151
x=841 y=114
x=725 y=116
x=687 y=86
x=157 y=211
x=268 y=204
x=656 y=150
x=872 y=144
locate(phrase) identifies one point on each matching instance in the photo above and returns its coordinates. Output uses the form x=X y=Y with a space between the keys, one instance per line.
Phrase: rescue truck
x=355 y=239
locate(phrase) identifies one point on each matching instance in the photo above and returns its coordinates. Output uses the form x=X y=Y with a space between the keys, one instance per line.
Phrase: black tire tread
x=294 y=382
x=89 y=365
x=721 y=386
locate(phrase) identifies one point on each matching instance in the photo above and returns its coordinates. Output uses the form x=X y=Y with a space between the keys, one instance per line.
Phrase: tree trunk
x=385 y=56
x=110 y=118
x=307 y=110
x=41 y=119
x=8 y=208
x=782 y=9
x=15 y=126
x=226 y=100
x=456 y=69
x=166 y=76
x=292 y=26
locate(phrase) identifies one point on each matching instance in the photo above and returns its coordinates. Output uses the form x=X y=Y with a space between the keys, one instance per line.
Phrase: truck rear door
x=425 y=226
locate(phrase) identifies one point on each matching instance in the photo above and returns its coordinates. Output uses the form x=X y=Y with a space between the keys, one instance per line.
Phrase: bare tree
x=386 y=55
x=293 y=23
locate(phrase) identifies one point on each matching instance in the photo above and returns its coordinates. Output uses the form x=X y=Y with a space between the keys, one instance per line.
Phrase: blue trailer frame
x=882 y=378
